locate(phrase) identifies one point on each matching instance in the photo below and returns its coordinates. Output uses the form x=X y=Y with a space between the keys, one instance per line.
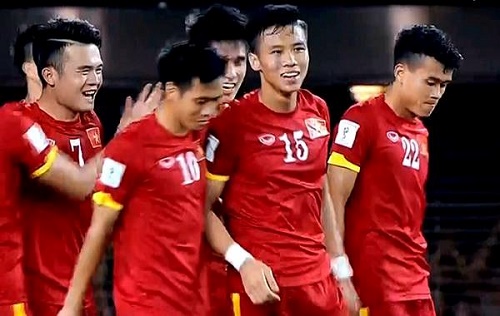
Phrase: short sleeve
x=26 y=143
x=351 y=139
x=120 y=171
x=221 y=146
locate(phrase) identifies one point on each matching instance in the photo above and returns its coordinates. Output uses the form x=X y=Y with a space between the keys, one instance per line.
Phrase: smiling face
x=235 y=53
x=77 y=83
x=282 y=57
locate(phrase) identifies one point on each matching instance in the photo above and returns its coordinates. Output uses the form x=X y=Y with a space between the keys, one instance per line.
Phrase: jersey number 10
x=299 y=151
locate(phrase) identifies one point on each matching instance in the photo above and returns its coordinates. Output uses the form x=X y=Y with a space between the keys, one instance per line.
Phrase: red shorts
x=322 y=298
x=19 y=309
x=403 y=308
x=42 y=309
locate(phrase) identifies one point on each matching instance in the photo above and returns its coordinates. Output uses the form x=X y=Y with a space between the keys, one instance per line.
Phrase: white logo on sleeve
x=112 y=173
x=346 y=134
x=212 y=144
x=37 y=138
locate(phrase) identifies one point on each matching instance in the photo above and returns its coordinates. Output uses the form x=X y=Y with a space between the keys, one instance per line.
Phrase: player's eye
x=276 y=52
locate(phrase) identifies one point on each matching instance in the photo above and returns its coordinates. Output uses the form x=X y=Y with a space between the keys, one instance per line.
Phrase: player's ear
x=171 y=90
x=254 y=61
x=49 y=74
x=399 y=71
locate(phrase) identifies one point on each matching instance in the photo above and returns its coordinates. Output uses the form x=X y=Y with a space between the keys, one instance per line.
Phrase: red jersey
x=55 y=225
x=23 y=148
x=275 y=164
x=384 y=214
x=158 y=182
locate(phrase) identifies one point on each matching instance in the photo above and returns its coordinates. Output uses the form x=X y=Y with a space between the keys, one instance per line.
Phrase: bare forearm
x=331 y=227
x=84 y=180
x=90 y=256
x=217 y=234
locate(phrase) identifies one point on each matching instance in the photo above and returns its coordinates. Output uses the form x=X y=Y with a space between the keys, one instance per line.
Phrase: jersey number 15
x=299 y=151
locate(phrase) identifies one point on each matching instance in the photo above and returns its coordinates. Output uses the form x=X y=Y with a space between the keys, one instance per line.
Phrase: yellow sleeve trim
x=337 y=159
x=105 y=199
x=215 y=177
x=364 y=311
x=49 y=161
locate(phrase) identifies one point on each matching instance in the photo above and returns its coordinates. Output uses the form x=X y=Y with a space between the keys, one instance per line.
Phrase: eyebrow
x=209 y=99
x=86 y=67
x=438 y=79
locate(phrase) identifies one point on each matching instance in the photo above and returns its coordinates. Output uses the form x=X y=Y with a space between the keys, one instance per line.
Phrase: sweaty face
x=423 y=84
x=198 y=104
x=235 y=53
x=77 y=85
x=282 y=57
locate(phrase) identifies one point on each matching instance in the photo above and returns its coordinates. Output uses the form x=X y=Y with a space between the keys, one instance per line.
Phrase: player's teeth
x=290 y=74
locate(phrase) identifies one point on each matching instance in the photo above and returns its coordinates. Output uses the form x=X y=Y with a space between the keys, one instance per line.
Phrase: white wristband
x=236 y=256
x=341 y=268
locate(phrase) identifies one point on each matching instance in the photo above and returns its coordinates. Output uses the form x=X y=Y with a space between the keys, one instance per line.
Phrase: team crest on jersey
x=422 y=140
x=94 y=136
x=316 y=127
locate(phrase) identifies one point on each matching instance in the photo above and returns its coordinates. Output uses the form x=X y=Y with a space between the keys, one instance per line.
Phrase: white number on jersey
x=299 y=151
x=76 y=146
x=411 y=150
x=189 y=167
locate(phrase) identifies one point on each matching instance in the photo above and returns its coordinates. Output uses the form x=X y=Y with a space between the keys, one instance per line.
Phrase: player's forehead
x=210 y=91
x=283 y=36
x=234 y=49
x=430 y=67
x=82 y=55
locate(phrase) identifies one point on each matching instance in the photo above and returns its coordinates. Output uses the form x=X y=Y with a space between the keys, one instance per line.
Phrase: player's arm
x=221 y=154
x=63 y=174
x=119 y=173
x=349 y=149
x=31 y=148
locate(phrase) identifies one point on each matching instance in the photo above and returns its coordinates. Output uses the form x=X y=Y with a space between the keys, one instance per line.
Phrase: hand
x=350 y=296
x=147 y=101
x=259 y=282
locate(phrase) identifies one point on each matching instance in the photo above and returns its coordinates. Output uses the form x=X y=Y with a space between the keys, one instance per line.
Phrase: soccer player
x=268 y=154
x=24 y=148
x=223 y=29
x=69 y=63
x=377 y=173
x=155 y=197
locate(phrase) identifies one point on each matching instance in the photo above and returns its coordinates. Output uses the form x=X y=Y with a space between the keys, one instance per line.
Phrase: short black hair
x=57 y=34
x=426 y=40
x=277 y=16
x=215 y=24
x=23 y=44
x=183 y=62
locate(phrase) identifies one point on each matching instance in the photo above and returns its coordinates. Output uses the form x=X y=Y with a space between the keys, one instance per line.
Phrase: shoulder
x=90 y=119
x=314 y=102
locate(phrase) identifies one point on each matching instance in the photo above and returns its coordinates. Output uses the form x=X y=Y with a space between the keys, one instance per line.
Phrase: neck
x=167 y=119
x=396 y=103
x=34 y=91
x=277 y=101
x=55 y=109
